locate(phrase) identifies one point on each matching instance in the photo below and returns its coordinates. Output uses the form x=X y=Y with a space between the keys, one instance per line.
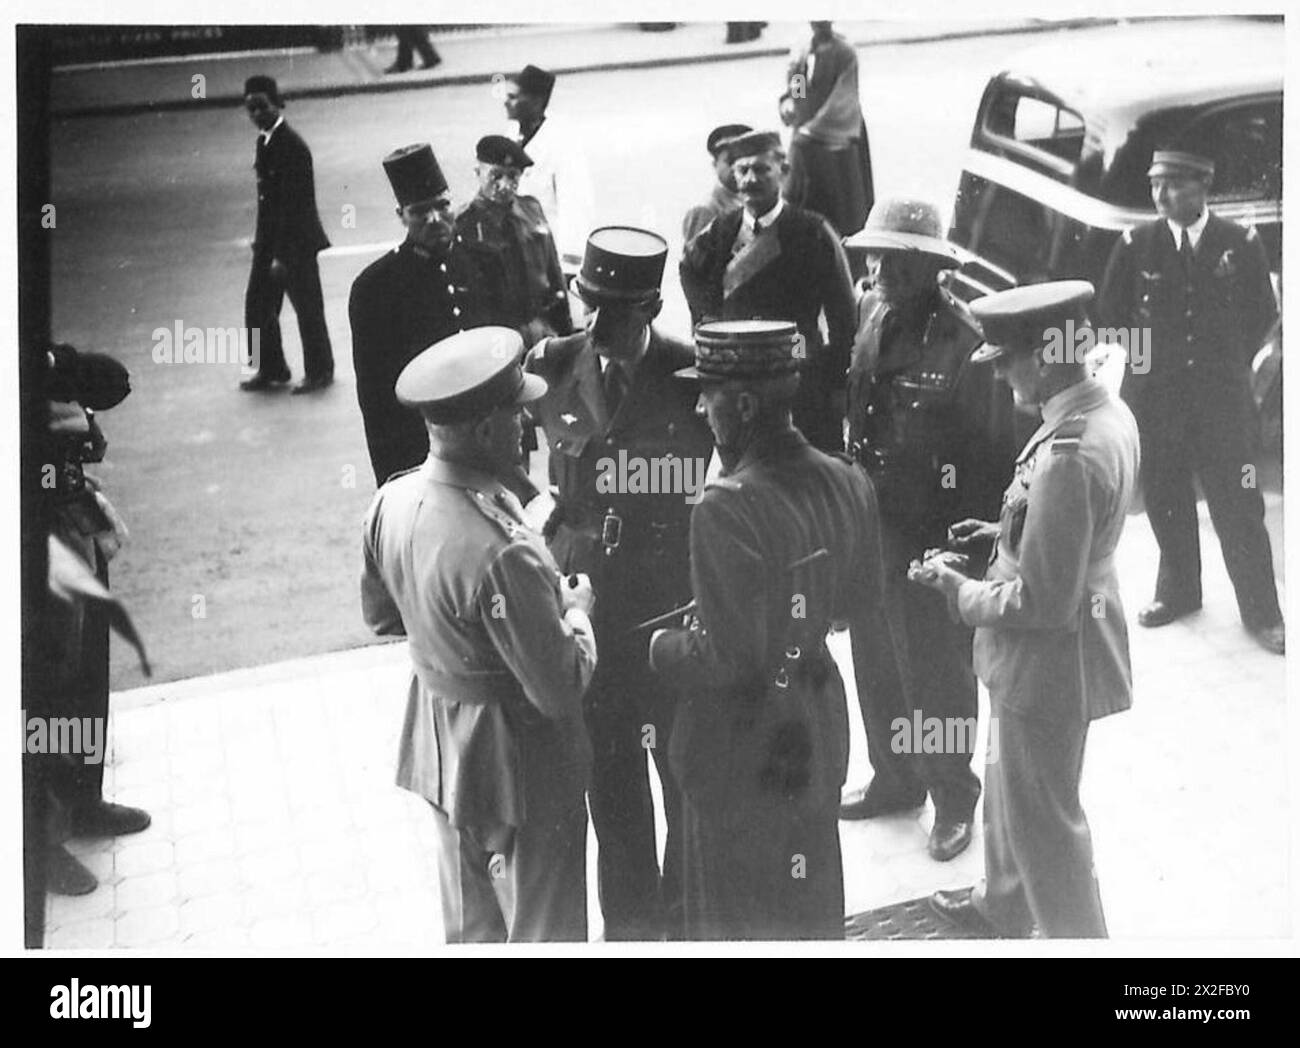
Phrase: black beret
x=264 y=85
x=497 y=149
x=94 y=380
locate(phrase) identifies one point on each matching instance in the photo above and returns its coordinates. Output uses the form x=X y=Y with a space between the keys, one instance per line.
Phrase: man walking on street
x=1050 y=640
x=289 y=236
x=501 y=646
x=613 y=399
x=1200 y=285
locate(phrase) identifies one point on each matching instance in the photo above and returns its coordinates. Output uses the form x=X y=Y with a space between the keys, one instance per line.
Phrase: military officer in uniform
x=613 y=399
x=502 y=649
x=415 y=295
x=774 y=260
x=1050 y=637
x=723 y=197
x=509 y=245
x=783 y=544
x=1200 y=285
x=936 y=435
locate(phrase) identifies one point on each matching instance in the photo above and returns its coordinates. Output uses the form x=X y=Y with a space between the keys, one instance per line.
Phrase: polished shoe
x=313 y=385
x=260 y=382
x=958 y=908
x=1161 y=613
x=103 y=819
x=1271 y=638
x=397 y=68
x=948 y=840
x=65 y=875
x=863 y=804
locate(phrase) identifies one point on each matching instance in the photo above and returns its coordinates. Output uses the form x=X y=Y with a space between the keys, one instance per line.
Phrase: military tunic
x=633 y=542
x=1051 y=644
x=936 y=434
x=516 y=270
x=760 y=743
x=493 y=735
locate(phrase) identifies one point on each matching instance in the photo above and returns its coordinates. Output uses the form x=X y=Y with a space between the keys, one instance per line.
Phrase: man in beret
x=501 y=647
x=508 y=244
x=936 y=435
x=289 y=236
x=783 y=544
x=613 y=399
x=1200 y=286
x=724 y=196
x=559 y=178
x=1051 y=642
x=774 y=260
x=417 y=294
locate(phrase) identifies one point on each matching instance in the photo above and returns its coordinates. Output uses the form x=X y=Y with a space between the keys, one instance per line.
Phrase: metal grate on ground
x=913 y=919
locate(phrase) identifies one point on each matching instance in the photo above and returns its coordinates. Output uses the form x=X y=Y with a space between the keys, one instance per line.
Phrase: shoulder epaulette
x=400 y=473
x=495 y=513
x=1068 y=435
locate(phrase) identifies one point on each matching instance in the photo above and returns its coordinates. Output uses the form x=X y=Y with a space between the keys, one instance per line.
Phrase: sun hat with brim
x=905 y=224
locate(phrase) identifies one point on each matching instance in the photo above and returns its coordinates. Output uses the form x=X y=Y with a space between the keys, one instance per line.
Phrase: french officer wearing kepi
x=785 y=543
x=502 y=649
x=1051 y=643
x=627 y=458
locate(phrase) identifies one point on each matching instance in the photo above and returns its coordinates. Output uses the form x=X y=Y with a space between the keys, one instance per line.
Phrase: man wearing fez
x=288 y=237
x=724 y=196
x=558 y=179
x=1200 y=285
x=783 y=544
x=1050 y=638
x=415 y=295
x=776 y=261
x=936 y=434
x=830 y=159
x=509 y=247
x=501 y=646
x=613 y=399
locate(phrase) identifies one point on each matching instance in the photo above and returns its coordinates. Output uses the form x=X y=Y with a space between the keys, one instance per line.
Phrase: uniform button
x=452 y=289
x=1189 y=338
x=915 y=405
x=871 y=409
x=455 y=311
x=443 y=266
x=1189 y=314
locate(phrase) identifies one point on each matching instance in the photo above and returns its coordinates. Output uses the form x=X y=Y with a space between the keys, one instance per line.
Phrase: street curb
x=435 y=80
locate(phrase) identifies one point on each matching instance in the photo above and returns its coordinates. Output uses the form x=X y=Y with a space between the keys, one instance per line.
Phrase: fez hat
x=1016 y=319
x=414 y=174
x=265 y=85
x=497 y=149
x=720 y=135
x=621 y=263
x=468 y=375
x=905 y=224
x=752 y=143
x=534 y=81
x=1178 y=163
x=746 y=349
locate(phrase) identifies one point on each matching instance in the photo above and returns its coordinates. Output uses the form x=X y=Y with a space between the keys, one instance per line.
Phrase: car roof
x=1121 y=72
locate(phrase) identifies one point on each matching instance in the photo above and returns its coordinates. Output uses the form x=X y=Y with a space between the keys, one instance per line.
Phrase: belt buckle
x=611 y=531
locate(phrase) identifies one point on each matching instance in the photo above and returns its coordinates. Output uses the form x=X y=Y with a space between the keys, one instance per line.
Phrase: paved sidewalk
x=277 y=826
x=113 y=89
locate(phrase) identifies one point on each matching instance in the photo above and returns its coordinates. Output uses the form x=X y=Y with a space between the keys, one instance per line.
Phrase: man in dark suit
x=773 y=260
x=289 y=236
x=612 y=411
x=1200 y=287
x=783 y=544
x=415 y=295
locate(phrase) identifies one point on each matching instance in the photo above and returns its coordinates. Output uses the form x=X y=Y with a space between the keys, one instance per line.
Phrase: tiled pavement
x=277 y=827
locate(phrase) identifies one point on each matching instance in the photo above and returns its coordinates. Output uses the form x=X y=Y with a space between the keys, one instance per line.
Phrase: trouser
x=1037 y=848
x=414 y=39
x=629 y=718
x=935 y=681
x=759 y=868
x=1210 y=433
x=534 y=890
x=262 y=303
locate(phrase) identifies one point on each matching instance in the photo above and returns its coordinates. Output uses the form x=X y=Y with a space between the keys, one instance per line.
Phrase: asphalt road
x=244 y=509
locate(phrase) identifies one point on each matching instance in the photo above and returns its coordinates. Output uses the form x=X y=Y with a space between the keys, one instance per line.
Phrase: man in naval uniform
x=1051 y=642
x=613 y=399
x=783 y=544
x=501 y=646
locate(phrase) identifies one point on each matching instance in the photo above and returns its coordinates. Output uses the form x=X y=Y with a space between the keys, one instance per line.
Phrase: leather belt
x=613 y=530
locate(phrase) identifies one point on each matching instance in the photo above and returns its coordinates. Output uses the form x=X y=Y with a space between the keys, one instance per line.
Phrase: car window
x=1037 y=124
x=1245 y=143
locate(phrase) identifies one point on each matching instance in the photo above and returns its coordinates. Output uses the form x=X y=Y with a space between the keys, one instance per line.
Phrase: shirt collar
x=1082 y=396
x=764 y=221
x=1194 y=231
x=266 y=135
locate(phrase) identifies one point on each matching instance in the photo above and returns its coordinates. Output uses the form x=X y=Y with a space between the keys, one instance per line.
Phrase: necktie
x=1185 y=253
x=615 y=386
